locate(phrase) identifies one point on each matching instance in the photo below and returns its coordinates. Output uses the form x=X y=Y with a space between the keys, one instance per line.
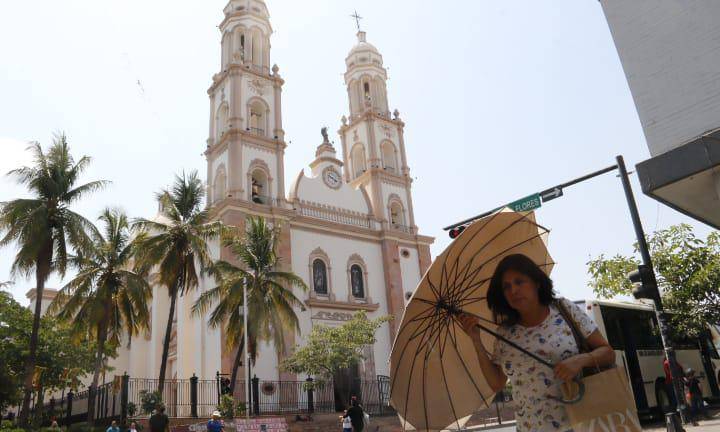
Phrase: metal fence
x=195 y=398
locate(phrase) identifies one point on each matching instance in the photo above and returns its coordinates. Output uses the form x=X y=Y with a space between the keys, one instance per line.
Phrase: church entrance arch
x=346 y=384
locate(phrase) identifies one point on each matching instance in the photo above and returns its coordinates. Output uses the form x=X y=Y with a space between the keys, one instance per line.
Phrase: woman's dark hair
x=502 y=312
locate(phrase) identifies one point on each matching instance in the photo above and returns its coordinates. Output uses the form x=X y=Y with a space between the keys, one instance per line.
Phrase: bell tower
x=373 y=140
x=245 y=147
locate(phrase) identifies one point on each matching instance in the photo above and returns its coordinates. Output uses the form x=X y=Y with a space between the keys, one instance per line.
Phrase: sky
x=501 y=99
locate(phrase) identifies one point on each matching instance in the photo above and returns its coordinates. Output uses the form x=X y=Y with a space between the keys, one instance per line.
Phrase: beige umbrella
x=436 y=380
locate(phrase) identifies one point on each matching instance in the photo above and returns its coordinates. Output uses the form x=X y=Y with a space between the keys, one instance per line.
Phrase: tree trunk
x=42 y=270
x=92 y=395
x=166 y=344
x=236 y=365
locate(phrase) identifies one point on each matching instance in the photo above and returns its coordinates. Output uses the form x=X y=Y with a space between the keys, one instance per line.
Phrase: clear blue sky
x=501 y=98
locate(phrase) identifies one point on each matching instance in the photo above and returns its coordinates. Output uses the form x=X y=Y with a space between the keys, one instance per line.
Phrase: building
x=347 y=224
x=670 y=51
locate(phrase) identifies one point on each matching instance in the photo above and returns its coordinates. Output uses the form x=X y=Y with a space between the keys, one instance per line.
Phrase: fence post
x=52 y=409
x=217 y=381
x=124 y=396
x=194 y=396
x=69 y=407
x=310 y=395
x=255 y=395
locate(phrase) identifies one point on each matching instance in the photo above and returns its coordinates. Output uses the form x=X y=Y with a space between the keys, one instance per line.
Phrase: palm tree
x=106 y=298
x=176 y=242
x=270 y=304
x=44 y=226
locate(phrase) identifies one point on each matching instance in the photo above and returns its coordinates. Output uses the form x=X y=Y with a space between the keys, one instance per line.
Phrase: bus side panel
x=651 y=364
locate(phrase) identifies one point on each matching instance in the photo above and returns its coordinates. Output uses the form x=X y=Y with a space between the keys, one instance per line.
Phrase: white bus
x=632 y=331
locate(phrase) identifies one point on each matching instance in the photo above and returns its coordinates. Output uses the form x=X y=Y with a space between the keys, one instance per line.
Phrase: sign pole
x=246 y=355
x=675 y=373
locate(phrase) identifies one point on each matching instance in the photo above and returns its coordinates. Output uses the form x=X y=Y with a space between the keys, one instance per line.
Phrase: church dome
x=363 y=53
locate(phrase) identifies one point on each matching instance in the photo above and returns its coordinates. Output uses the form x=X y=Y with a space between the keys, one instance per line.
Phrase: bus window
x=621 y=323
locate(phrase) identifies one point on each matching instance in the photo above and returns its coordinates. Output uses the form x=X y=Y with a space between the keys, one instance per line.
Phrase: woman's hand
x=469 y=325
x=569 y=368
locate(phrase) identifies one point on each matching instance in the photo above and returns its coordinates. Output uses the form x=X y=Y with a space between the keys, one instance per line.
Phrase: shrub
x=7 y=424
x=131 y=409
x=229 y=409
x=149 y=401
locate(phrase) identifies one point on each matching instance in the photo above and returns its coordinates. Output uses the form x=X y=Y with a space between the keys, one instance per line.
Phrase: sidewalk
x=705 y=426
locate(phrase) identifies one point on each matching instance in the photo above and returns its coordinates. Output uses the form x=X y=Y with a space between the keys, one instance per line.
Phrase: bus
x=633 y=332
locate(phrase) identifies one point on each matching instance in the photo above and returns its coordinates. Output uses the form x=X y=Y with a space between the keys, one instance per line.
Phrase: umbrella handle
x=574 y=400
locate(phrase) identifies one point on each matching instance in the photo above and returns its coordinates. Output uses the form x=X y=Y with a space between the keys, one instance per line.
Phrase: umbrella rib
x=428 y=352
x=447 y=389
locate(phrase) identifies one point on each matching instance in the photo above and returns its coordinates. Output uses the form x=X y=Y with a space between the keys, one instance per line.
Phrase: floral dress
x=532 y=381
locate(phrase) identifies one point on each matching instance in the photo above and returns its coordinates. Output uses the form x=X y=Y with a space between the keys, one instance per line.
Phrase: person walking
x=113 y=427
x=133 y=427
x=356 y=415
x=215 y=424
x=694 y=396
x=346 y=423
x=159 y=422
x=524 y=305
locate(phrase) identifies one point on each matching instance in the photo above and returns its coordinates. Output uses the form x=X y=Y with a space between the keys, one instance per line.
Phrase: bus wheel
x=662 y=397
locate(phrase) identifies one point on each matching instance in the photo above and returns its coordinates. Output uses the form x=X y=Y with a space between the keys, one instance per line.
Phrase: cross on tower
x=357 y=19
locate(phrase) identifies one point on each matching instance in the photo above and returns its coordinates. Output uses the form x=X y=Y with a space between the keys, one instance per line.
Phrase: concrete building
x=670 y=51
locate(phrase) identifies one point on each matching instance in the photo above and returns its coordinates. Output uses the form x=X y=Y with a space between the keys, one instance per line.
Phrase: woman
x=523 y=303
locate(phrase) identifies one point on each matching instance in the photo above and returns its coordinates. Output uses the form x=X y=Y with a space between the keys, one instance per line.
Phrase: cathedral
x=347 y=223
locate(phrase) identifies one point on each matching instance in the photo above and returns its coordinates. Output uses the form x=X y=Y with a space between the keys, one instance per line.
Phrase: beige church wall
x=410 y=268
x=314 y=189
x=266 y=366
x=159 y=314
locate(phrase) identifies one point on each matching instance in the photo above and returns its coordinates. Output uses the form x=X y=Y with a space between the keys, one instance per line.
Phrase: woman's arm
x=601 y=355
x=492 y=372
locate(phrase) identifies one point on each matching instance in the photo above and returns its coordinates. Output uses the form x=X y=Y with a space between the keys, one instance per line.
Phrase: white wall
x=670 y=51
x=346 y=197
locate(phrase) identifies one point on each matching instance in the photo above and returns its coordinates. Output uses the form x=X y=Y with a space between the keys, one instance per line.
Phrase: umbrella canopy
x=436 y=379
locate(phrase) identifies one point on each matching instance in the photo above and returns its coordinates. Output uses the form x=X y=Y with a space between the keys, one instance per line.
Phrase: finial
x=324 y=133
x=396 y=114
x=275 y=69
x=344 y=120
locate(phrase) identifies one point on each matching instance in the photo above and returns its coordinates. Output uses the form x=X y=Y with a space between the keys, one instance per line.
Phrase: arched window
x=397 y=216
x=320 y=277
x=219 y=184
x=358 y=160
x=357 y=281
x=366 y=91
x=388 y=157
x=259 y=190
x=257 y=118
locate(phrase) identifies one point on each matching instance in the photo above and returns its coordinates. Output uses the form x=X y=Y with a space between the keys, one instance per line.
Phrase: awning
x=687 y=178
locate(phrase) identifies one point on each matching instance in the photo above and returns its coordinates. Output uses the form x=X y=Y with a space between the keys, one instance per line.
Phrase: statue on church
x=256 y=189
x=324 y=133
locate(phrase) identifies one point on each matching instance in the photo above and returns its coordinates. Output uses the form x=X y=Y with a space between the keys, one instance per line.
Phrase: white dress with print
x=532 y=381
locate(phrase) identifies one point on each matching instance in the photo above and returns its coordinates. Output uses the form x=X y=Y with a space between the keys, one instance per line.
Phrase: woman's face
x=520 y=291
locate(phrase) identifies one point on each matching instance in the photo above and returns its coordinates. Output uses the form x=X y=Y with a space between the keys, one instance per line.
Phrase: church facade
x=347 y=223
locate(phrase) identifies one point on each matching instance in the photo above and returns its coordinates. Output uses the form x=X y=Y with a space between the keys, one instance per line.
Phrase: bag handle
x=580 y=340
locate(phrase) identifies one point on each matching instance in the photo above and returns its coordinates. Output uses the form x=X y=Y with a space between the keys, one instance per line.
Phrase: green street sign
x=528 y=203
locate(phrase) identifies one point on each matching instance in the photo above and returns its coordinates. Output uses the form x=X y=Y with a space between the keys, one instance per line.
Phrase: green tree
x=44 y=226
x=59 y=353
x=332 y=349
x=271 y=301
x=688 y=273
x=177 y=243
x=106 y=299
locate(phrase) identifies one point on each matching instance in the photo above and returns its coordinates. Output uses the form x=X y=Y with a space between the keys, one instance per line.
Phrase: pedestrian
x=694 y=396
x=346 y=423
x=215 y=424
x=159 y=422
x=356 y=415
x=113 y=427
x=133 y=427
x=524 y=305
x=669 y=388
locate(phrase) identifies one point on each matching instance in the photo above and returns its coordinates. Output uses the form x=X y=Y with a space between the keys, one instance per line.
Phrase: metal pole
x=661 y=317
x=246 y=355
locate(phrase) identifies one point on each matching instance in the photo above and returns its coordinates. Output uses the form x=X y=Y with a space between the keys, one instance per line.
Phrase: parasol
x=436 y=381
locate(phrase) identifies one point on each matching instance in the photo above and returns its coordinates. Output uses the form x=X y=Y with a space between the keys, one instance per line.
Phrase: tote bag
x=608 y=404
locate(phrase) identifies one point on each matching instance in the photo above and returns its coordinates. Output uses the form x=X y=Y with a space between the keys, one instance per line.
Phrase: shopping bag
x=607 y=406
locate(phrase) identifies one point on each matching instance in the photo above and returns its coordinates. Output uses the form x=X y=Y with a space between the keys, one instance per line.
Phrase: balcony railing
x=334 y=215
x=264 y=200
x=402 y=228
x=256 y=131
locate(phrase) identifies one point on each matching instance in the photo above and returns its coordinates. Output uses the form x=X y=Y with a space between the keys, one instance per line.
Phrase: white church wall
x=315 y=190
x=410 y=269
x=209 y=344
x=159 y=314
x=266 y=366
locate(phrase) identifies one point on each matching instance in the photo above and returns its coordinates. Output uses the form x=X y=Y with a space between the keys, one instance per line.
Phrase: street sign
x=528 y=203
x=551 y=194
